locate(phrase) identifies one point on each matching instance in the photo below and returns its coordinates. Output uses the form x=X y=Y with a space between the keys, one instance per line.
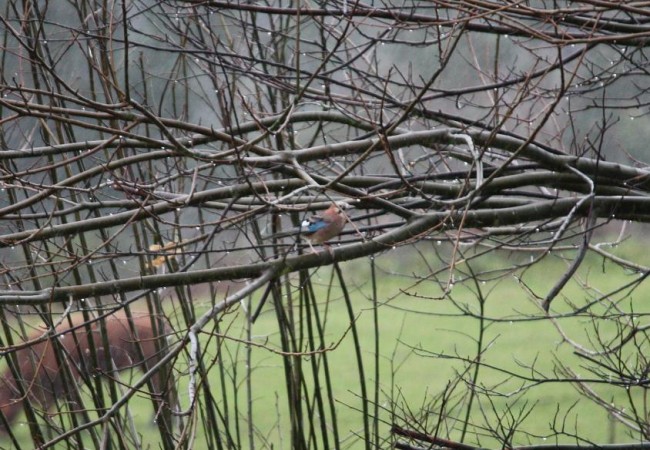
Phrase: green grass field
x=425 y=341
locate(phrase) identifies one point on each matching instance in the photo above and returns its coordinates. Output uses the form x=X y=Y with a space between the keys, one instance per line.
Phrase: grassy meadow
x=426 y=339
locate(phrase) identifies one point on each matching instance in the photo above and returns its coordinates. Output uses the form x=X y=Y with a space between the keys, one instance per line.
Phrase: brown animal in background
x=44 y=382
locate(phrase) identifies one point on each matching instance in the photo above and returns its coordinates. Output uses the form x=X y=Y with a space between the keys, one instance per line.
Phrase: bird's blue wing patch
x=312 y=227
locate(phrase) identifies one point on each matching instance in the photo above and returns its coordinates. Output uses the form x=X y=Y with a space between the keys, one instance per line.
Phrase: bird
x=319 y=229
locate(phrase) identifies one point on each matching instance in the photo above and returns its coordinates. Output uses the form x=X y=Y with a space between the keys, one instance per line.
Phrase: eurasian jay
x=321 y=228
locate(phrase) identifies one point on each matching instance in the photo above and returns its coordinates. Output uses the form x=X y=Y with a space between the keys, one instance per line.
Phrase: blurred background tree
x=488 y=289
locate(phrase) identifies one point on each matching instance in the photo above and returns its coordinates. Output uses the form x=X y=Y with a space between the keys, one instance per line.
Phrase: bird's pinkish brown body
x=323 y=227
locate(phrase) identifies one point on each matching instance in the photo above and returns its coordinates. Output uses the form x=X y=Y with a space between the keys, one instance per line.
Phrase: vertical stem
x=359 y=358
x=375 y=317
x=479 y=352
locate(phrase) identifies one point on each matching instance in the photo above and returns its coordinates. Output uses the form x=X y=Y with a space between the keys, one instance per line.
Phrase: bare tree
x=161 y=156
